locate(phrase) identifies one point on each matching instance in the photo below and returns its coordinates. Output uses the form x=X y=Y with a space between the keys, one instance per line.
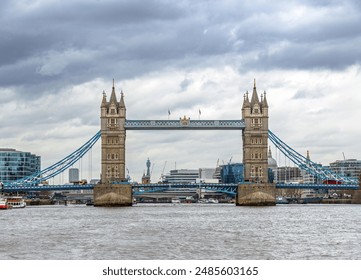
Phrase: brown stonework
x=356 y=195
x=256 y=195
x=113 y=195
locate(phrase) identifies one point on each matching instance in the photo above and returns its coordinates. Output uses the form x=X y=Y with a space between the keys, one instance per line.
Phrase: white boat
x=16 y=202
x=175 y=200
x=209 y=200
x=212 y=200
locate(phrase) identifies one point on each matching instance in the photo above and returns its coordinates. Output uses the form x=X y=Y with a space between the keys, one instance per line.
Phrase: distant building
x=181 y=176
x=232 y=173
x=73 y=175
x=272 y=167
x=288 y=174
x=146 y=177
x=308 y=178
x=348 y=167
x=15 y=164
x=207 y=174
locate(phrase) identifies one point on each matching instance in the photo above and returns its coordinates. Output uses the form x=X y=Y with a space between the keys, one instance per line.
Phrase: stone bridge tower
x=255 y=137
x=112 y=121
x=256 y=190
x=113 y=189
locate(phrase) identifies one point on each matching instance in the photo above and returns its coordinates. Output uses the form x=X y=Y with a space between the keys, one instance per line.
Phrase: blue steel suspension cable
x=309 y=166
x=58 y=167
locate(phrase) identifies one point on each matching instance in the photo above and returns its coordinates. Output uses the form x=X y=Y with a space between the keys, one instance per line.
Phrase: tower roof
x=104 y=100
x=121 y=102
x=254 y=99
x=264 y=101
x=113 y=98
x=246 y=103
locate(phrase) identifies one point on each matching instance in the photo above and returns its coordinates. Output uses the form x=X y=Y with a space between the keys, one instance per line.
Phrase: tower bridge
x=114 y=190
x=254 y=126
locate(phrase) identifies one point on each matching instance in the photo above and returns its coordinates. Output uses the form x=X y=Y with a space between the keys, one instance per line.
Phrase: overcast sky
x=57 y=57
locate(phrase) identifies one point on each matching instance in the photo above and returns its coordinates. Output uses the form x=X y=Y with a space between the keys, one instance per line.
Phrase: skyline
x=57 y=57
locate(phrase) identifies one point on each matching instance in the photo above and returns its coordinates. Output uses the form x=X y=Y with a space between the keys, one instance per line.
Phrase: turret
x=246 y=107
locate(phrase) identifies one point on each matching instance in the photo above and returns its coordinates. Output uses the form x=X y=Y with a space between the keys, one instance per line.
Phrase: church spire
x=269 y=152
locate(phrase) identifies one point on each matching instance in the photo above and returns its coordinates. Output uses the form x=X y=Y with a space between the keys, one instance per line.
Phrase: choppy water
x=192 y=231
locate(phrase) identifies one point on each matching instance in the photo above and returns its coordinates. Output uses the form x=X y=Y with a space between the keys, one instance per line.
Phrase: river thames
x=182 y=232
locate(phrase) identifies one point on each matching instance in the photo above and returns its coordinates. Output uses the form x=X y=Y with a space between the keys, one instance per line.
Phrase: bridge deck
x=184 y=124
x=214 y=186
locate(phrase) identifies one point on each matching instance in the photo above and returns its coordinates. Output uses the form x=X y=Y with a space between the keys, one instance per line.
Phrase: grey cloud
x=185 y=84
x=81 y=40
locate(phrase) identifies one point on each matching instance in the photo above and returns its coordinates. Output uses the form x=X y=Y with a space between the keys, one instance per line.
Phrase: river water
x=182 y=231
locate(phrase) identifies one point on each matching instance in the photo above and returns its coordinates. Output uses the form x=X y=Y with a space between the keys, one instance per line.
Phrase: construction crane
x=230 y=160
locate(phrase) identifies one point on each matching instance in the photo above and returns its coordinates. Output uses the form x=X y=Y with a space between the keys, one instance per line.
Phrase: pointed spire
x=246 y=103
x=113 y=98
x=104 y=100
x=308 y=155
x=254 y=99
x=269 y=152
x=122 y=103
x=264 y=101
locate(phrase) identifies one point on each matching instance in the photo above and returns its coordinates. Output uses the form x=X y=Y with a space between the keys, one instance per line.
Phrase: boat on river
x=281 y=200
x=16 y=202
x=3 y=203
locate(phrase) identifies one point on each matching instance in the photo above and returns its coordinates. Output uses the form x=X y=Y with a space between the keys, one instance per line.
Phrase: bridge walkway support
x=356 y=195
x=256 y=194
x=113 y=195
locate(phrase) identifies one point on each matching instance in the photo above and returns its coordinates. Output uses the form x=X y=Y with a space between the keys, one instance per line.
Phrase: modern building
x=232 y=173
x=207 y=174
x=181 y=176
x=15 y=164
x=73 y=175
x=289 y=174
x=348 y=167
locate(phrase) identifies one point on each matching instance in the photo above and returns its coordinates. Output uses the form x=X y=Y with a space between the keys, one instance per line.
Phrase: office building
x=15 y=164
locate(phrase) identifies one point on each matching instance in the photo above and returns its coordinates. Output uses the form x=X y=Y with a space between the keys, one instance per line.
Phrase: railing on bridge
x=184 y=124
x=141 y=188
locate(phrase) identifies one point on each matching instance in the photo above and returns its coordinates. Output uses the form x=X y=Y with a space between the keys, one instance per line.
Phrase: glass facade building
x=232 y=173
x=15 y=164
x=348 y=167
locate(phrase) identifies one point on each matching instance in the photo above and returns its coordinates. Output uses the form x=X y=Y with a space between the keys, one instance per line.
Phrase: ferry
x=16 y=202
x=3 y=203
